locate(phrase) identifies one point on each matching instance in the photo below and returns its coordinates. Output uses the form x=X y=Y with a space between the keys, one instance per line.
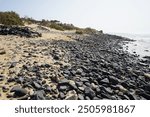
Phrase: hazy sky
x=127 y=16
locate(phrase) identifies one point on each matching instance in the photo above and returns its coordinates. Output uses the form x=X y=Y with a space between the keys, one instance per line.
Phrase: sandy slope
x=17 y=50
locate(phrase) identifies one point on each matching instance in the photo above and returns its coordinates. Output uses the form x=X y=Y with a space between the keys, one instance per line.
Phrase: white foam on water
x=141 y=45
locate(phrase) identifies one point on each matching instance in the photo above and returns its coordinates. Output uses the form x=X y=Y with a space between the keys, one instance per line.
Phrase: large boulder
x=18 y=91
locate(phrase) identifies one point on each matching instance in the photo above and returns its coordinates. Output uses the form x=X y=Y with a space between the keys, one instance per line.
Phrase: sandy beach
x=64 y=65
x=18 y=51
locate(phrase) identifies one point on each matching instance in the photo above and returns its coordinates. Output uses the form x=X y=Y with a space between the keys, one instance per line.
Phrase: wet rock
x=89 y=92
x=71 y=95
x=18 y=91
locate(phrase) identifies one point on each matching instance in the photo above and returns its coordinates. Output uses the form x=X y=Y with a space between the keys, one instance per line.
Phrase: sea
x=140 y=46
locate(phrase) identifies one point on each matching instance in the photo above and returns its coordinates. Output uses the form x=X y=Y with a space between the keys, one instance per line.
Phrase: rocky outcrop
x=19 y=31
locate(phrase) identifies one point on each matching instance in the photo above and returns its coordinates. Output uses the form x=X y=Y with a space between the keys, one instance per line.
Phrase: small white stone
x=71 y=95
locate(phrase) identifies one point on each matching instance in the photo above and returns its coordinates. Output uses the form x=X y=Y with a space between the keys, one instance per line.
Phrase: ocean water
x=141 y=45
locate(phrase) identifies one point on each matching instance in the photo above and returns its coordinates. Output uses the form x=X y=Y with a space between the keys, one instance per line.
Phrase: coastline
x=140 y=46
x=69 y=66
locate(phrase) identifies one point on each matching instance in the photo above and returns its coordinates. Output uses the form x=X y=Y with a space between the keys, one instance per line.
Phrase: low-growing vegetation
x=28 y=20
x=10 y=18
x=79 y=31
x=56 y=26
x=88 y=31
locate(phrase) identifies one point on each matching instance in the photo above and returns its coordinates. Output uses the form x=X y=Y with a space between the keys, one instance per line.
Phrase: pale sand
x=15 y=47
x=53 y=34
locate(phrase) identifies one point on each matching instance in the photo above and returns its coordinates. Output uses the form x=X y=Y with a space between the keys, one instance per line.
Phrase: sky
x=119 y=16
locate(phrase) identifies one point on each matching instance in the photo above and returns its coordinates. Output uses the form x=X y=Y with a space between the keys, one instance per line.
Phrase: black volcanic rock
x=38 y=95
x=89 y=92
x=90 y=67
x=15 y=30
x=18 y=91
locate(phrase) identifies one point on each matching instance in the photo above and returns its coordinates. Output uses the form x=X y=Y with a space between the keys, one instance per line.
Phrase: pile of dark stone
x=19 y=31
x=99 y=69
x=102 y=70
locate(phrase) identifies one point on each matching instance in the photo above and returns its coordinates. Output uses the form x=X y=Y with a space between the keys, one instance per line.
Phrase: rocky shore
x=84 y=67
x=20 y=31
